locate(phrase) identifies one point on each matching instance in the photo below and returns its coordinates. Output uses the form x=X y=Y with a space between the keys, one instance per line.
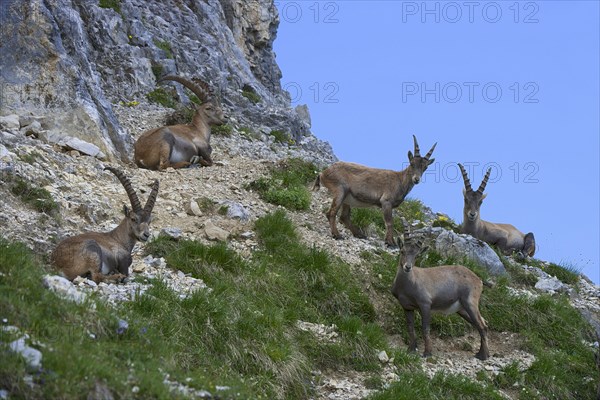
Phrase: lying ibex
x=447 y=289
x=505 y=236
x=354 y=185
x=180 y=146
x=107 y=255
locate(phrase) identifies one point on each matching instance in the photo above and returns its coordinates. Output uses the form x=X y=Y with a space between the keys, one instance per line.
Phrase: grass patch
x=567 y=274
x=36 y=197
x=287 y=184
x=371 y=219
x=249 y=93
x=157 y=71
x=114 y=4
x=164 y=46
x=222 y=130
x=282 y=137
x=163 y=97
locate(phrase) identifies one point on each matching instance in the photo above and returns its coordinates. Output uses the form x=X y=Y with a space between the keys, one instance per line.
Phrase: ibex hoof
x=427 y=354
x=482 y=356
x=338 y=237
x=360 y=235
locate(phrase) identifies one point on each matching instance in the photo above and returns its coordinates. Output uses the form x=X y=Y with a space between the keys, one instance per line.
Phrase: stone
x=213 y=232
x=10 y=122
x=6 y=155
x=550 y=285
x=33 y=357
x=72 y=143
x=192 y=208
x=236 y=210
x=383 y=357
x=139 y=268
x=450 y=244
x=171 y=233
x=33 y=129
x=100 y=392
x=63 y=288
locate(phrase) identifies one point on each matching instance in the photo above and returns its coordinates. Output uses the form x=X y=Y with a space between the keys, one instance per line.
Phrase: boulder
x=213 y=232
x=63 y=288
x=10 y=122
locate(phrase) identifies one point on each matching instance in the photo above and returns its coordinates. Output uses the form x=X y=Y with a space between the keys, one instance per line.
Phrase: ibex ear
x=483 y=196
x=410 y=155
x=423 y=249
x=464 y=192
x=431 y=161
x=400 y=240
x=125 y=210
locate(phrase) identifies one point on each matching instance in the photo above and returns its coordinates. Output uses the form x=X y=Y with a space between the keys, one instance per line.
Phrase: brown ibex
x=354 y=185
x=180 y=146
x=447 y=289
x=505 y=236
x=106 y=256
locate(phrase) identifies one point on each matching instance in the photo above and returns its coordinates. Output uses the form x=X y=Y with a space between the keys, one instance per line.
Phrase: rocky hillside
x=241 y=292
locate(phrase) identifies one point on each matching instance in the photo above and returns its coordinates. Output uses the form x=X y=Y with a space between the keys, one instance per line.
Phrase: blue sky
x=511 y=85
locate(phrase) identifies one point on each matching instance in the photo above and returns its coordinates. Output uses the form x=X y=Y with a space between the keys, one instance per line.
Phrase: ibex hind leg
x=332 y=214
x=346 y=220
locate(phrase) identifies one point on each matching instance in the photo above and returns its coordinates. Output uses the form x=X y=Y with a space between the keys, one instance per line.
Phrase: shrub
x=163 y=97
x=38 y=198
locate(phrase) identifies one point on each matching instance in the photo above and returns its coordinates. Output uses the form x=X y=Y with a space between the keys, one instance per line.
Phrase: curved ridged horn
x=406 y=229
x=465 y=178
x=152 y=198
x=200 y=89
x=417 y=150
x=484 y=182
x=133 y=199
x=430 y=152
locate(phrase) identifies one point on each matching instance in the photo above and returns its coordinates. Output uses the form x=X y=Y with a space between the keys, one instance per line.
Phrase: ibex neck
x=123 y=235
x=199 y=122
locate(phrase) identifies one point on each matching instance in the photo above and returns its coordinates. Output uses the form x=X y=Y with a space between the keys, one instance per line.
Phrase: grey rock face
x=64 y=288
x=72 y=61
x=10 y=122
x=236 y=210
x=550 y=284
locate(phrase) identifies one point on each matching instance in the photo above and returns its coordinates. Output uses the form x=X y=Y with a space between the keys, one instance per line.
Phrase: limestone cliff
x=71 y=61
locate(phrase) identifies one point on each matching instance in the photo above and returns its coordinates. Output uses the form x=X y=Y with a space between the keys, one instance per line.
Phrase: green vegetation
x=566 y=274
x=114 y=4
x=371 y=219
x=287 y=184
x=36 y=197
x=282 y=137
x=157 y=70
x=247 y=132
x=164 y=46
x=163 y=97
x=249 y=93
x=243 y=333
x=222 y=130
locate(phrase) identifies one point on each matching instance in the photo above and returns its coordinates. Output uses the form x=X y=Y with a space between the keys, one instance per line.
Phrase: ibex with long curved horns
x=446 y=289
x=107 y=255
x=505 y=236
x=180 y=146
x=354 y=185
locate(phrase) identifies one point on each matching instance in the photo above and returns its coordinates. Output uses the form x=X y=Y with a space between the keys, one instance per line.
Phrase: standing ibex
x=354 y=185
x=505 y=236
x=107 y=255
x=447 y=289
x=179 y=146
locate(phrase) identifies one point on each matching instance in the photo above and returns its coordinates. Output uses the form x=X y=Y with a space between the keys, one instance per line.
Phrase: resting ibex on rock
x=447 y=289
x=354 y=185
x=505 y=236
x=106 y=256
x=180 y=146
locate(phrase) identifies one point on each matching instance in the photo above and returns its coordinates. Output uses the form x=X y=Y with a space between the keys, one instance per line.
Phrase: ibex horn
x=200 y=89
x=406 y=228
x=152 y=198
x=133 y=199
x=484 y=182
x=417 y=150
x=465 y=178
x=430 y=152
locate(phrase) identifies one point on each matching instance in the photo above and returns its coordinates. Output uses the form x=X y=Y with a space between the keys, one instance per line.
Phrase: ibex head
x=138 y=218
x=410 y=247
x=419 y=164
x=209 y=107
x=473 y=199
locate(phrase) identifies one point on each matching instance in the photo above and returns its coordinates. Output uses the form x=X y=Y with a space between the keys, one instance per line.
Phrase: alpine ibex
x=505 y=236
x=180 y=146
x=447 y=289
x=106 y=256
x=354 y=185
